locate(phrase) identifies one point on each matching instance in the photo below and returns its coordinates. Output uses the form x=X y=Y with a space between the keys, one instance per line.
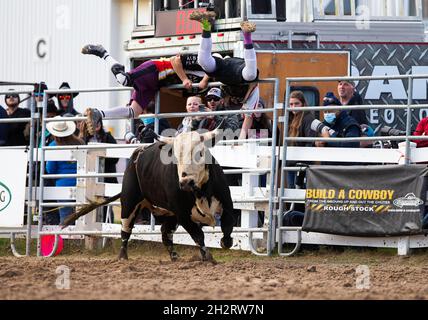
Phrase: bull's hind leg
x=168 y=228
x=131 y=202
x=197 y=235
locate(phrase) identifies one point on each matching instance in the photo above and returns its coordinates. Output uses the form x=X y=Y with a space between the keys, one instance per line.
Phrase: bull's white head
x=191 y=154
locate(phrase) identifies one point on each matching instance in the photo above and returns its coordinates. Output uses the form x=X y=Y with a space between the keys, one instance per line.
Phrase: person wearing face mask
x=342 y=124
x=145 y=129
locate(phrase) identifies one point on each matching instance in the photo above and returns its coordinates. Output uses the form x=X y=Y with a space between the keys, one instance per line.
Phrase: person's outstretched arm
x=179 y=70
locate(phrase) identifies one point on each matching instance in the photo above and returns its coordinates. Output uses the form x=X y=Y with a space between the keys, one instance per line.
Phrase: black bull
x=149 y=183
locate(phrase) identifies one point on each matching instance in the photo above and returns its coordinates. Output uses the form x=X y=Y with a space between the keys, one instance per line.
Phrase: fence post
x=87 y=162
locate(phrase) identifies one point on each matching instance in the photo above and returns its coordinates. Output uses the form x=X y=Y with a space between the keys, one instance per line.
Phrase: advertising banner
x=13 y=172
x=365 y=200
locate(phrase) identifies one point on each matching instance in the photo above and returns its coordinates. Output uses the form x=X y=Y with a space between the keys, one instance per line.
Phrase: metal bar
x=408 y=121
x=83 y=175
x=15 y=120
x=236 y=171
x=13 y=248
x=284 y=157
x=70 y=204
x=89 y=233
x=359 y=107
x=272 y=188
x=42 y=171
x=234 y=142
x=111 y=89
x=226 y=9
x=16 y=92
x=30 y=178
x=157 y=111
x=369 y=78
x=331 y=139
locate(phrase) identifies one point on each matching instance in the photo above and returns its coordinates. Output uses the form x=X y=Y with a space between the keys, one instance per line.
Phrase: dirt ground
x=149 y=274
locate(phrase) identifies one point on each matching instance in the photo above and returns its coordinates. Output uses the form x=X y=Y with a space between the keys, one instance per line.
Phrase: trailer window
x=378 y=9
x=261 y=7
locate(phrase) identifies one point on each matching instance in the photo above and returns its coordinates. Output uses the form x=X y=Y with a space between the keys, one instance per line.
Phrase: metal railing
x=270 y=230
x=287 y=109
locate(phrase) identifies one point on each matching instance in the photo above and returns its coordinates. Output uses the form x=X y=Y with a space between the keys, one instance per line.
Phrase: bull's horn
x=166 y=140
x=212 y=134
x=154 y=135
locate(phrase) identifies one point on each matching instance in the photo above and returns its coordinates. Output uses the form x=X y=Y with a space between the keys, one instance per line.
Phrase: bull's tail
x=88 y=208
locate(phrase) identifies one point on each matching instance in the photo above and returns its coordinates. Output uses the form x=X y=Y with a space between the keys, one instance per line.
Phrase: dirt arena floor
x=149 y=274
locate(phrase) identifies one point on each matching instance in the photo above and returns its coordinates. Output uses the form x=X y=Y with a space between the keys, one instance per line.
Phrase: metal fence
x=276 y=198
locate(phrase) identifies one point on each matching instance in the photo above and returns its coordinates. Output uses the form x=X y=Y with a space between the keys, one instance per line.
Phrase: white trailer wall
x=41 y=41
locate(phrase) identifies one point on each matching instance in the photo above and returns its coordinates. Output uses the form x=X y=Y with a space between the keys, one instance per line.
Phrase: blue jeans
x=291 y=179
x=64 y=212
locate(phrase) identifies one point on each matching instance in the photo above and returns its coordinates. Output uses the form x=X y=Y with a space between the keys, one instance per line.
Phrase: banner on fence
x=13 y=172
x=365 y=200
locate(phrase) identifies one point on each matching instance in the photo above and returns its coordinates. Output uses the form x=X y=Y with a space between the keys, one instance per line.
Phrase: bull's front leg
x=168 y=228
x=228 y=220
x=195 y=231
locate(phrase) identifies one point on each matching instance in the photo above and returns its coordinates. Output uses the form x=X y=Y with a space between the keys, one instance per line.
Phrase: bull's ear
x=214 y=133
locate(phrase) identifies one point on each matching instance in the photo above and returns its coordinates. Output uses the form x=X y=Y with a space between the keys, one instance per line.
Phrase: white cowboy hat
x=61 y=128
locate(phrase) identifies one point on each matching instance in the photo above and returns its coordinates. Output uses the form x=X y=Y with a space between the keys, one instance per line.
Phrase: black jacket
x=15 y=135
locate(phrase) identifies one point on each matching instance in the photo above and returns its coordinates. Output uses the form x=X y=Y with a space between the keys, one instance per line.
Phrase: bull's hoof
x=173 y=256
x=226 y=243
x=207 y=257
x=123 y=254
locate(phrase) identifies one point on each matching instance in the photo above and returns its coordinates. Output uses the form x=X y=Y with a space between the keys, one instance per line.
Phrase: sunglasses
x=11 y=96
x=39 y=94
x=216 y=99
x=64 y=97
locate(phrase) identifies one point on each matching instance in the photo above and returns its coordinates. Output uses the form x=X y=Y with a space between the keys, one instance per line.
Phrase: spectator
x=66 y=100
x=39 y=92
x=101 y=136
x=146 y=125
x=421 y=130
x=215 y=102
x=342 y=124
x=194 y=104
x=300 y=123
x=4 y=127
x=15 y=136
x=349 y=96
x=258 y=124
x=62 y=131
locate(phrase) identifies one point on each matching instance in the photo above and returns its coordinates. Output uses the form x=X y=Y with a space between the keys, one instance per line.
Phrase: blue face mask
x=148 y=121
x=329 y=117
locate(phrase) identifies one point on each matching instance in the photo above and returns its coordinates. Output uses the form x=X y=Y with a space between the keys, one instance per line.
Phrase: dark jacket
x=358 y=115
x=4 y=127
x=145 y=132
x=231 y=123
x=15 y=136
x=345 y=126
x=110 y=163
